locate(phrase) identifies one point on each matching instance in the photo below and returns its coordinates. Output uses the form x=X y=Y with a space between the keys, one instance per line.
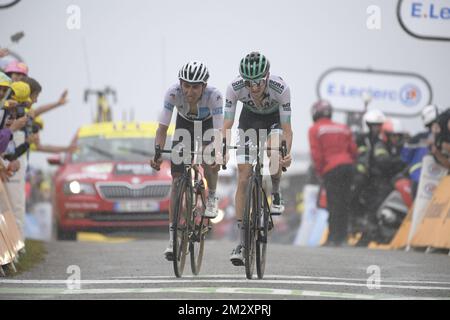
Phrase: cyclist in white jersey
x=195 y=102
x=266 y=105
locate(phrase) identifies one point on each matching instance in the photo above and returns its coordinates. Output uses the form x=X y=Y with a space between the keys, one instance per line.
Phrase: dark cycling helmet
x=194 y=72
x=254 y=66
x=321 y=109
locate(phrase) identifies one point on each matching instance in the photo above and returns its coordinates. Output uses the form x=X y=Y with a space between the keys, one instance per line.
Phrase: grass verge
x=35 y=254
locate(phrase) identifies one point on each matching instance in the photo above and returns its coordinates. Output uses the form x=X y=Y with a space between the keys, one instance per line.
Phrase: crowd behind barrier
x=20 y=125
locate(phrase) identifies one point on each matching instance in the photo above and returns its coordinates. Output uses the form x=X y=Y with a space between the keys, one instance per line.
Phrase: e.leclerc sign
x=394 y=93
x=425 y=19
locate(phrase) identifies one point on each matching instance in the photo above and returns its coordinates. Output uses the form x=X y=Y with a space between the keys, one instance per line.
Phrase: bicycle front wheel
x=197 y=242
x=181 y=217
x=250 y=227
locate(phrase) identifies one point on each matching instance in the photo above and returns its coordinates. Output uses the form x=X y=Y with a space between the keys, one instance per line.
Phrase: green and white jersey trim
x=277 y=97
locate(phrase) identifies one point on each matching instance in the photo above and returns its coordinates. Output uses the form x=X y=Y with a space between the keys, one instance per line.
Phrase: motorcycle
x=379 y=217
x=393 y=210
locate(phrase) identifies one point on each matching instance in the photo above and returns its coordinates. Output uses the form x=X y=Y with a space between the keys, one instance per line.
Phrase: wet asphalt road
x=135 y=269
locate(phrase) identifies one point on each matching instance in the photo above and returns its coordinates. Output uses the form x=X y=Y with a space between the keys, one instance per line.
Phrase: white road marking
x=209 y=290
x=274 y=277
x=197 y=281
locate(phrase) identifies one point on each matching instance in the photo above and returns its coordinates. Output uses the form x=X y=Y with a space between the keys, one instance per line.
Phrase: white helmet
x=194 y=72
x=374 y=117
x=429 y=114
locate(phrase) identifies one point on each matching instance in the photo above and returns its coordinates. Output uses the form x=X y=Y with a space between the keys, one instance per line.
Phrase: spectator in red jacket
x=333 y=152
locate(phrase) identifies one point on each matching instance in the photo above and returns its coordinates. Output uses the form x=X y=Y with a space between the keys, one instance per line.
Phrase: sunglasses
x=258 y=82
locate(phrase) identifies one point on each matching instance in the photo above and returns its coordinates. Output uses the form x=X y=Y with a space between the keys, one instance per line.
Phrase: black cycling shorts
x=250 y=120
x=183 y=123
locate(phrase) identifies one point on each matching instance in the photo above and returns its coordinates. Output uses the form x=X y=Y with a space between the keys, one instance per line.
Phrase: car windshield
x=95 y=149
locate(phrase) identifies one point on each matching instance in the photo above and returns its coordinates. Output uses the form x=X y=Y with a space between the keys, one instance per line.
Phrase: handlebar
x=159 y=152
x=282 y=149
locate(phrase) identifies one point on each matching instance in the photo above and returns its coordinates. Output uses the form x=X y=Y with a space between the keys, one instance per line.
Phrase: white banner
x=394 y=93
x=314 y=220
x=425 y=19
x=430 y=176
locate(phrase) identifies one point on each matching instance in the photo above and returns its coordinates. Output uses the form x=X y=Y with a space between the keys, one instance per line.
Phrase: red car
x=108 y=182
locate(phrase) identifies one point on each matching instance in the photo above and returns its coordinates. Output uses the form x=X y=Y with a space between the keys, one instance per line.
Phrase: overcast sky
x=137 y=47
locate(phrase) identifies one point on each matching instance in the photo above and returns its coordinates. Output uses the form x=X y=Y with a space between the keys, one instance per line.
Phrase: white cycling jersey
x=210 y=105
x=277 y=96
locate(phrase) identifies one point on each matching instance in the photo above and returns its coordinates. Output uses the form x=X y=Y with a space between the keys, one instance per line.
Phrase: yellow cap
x=21 y=91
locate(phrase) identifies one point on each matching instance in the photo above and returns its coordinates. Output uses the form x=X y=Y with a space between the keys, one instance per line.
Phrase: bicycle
x=190 y=227
x=257 y=220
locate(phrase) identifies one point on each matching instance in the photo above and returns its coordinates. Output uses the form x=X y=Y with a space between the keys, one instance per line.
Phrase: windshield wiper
x=100 y=151
x=137 y=151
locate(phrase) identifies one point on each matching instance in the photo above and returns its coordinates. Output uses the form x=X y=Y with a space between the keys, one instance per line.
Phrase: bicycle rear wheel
x=261 y=241
x=250 y=227
x=182 y=212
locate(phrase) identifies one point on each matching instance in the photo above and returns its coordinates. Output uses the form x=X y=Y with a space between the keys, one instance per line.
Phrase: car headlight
x=76 y=187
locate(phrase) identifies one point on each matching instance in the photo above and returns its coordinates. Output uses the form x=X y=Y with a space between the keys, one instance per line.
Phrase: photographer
x=418 y=146
x=441 y=147
x=15 y=187
x=9 y=163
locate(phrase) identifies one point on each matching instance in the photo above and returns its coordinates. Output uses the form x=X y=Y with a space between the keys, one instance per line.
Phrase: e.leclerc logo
x=410 y=95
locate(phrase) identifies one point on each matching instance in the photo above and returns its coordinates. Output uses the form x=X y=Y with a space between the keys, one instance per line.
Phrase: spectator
x=441 y=148
x=419 y=146
x=333 y=152
x=387 y=151
x=16 y=185
x=38 y=124
x=372 y=123
x=364 y=189
x=16 y=70
x=6 y=132
x=387 y=164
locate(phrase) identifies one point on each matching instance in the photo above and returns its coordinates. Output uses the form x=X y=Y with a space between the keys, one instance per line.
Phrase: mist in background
x=137 y=47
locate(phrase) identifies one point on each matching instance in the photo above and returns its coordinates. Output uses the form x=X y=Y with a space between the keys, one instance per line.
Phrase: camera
x=35 y=128
x=20 y=110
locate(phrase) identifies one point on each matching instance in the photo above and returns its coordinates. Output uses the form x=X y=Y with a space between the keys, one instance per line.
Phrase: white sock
x=241 y=231
x=170 y=232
